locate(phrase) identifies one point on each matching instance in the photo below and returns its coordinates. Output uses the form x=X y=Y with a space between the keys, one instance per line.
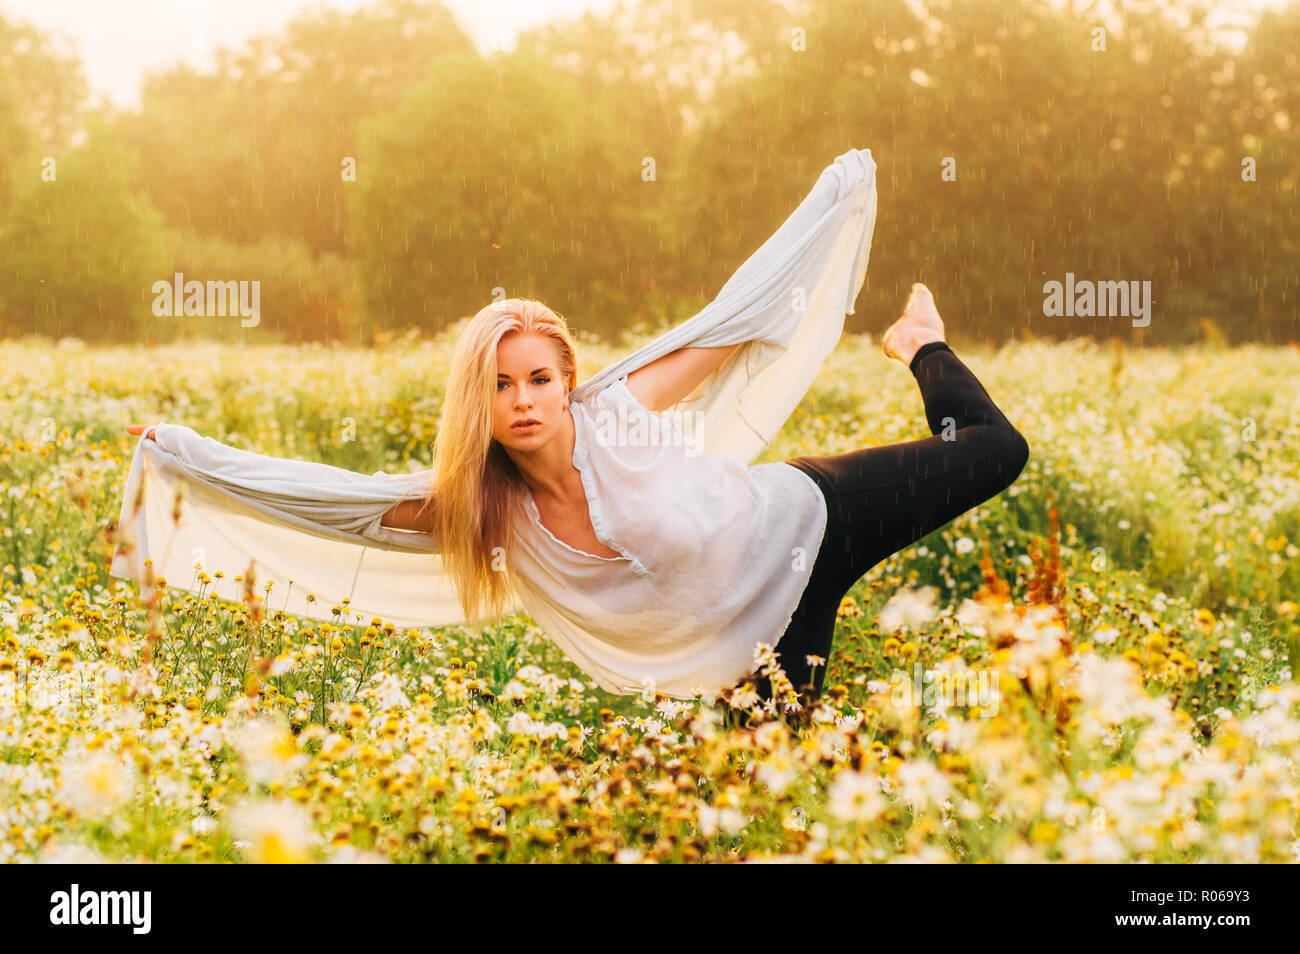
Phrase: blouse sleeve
x=620 y=419
x=294 y=490
x=194 y=506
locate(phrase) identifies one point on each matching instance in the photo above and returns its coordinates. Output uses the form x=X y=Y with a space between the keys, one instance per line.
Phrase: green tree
x=655 y=67
x=79 y=253
x=15 y=132
x=1066 y=156
x=257 y=147
x=495 y=177
x=1257 y=98
x=41 y=92
x=47 y=79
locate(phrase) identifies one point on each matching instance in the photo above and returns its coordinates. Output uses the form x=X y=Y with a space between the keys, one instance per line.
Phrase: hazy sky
x=119 y=41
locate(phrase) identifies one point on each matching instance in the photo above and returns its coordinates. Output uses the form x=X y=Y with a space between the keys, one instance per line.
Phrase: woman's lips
x=525 y=427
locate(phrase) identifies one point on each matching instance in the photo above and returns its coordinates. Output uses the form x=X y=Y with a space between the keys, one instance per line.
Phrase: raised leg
x=881 y=499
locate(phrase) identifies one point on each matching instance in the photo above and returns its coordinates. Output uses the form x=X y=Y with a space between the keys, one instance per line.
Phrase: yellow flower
x=273 y=832
x=1044 y=832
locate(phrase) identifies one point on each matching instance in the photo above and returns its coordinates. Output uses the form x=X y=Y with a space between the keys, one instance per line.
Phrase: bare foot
x=919 y=325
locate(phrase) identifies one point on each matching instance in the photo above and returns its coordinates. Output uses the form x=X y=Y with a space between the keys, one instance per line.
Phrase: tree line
x=373 y=171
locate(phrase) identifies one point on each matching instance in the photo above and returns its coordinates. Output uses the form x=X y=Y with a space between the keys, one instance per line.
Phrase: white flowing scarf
x=313 y=530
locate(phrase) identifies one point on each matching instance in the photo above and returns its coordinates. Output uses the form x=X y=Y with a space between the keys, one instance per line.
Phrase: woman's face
x=529 y=388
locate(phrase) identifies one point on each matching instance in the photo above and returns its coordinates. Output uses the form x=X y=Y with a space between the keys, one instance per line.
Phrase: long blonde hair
x=476 y=485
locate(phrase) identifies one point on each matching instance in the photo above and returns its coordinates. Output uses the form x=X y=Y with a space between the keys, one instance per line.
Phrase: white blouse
x=714 y=555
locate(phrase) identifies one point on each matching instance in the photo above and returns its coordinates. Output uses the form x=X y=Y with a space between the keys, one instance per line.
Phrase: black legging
x=880 y=499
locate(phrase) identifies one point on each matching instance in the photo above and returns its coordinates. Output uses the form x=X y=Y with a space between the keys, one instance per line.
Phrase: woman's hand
x=138 y=428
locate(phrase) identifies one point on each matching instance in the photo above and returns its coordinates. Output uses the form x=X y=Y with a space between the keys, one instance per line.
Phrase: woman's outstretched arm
x=665 y=381
x=414 y=515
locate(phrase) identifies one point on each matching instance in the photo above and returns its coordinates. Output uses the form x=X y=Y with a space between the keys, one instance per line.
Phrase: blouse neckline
x=580 y=462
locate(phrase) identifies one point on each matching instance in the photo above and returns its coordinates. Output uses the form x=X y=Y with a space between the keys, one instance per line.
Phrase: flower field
x=1130 y=606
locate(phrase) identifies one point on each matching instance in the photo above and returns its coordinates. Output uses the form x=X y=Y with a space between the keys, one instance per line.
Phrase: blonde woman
x=655 y=561
x=628 y=547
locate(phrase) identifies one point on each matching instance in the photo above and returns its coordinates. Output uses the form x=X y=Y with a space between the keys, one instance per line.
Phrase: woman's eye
x=541 y=378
